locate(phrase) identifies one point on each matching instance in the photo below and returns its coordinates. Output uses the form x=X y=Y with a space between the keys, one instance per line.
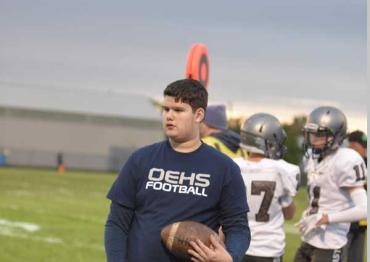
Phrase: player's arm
x=289 y=210
x=353 y=214
x=116 y=232
x=233 y=214
x=237 y=235
x=287 y=204
x=351 y=176
x=290 y=181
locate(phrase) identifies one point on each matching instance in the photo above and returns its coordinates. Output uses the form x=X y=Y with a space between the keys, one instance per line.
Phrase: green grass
x=71 y=210
x=293 y=239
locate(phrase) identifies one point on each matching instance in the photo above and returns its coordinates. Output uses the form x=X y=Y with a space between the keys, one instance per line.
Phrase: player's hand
x=308 y=223
x=324 y=220
x=202 y=253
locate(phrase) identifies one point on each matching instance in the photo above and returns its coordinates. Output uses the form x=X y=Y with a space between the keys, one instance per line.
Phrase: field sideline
x=45 y=216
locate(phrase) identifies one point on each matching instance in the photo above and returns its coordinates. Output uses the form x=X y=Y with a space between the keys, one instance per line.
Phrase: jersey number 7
x=269 y=188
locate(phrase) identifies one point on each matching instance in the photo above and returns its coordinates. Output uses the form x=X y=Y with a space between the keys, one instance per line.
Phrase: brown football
x=177 y=237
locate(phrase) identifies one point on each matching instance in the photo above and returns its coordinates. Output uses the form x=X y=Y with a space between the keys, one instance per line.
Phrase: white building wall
x=87 y=142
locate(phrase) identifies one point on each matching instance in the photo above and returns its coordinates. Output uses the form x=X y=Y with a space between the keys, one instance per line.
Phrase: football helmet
x=327 y=124
x=263 y=134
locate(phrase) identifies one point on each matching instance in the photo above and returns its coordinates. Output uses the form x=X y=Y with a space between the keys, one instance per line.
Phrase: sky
x=282 y=57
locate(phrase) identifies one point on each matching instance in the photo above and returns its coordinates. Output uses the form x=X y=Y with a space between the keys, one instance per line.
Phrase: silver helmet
x=263 y=134
x=325 y=122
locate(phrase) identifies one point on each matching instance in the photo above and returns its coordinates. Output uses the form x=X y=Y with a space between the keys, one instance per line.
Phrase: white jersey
x=271 y=185
x=327 y=183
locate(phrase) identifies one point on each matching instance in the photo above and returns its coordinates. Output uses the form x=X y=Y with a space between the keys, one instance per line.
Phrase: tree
x=295 y=143
x=295 y=140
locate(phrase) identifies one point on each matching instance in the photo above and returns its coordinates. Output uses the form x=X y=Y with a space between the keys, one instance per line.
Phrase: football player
x=335 y=186
x=271 y=183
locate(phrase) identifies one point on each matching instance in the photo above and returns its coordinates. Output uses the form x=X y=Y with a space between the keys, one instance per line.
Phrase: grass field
x=45 y=216
x=70 y=210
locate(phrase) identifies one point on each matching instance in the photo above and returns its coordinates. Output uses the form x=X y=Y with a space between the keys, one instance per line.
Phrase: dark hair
x=188 y=91
x=359 y=137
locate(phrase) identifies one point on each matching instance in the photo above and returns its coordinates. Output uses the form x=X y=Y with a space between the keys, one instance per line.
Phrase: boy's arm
x=117 y=228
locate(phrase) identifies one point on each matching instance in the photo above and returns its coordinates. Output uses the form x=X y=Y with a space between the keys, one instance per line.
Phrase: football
x=177 y=237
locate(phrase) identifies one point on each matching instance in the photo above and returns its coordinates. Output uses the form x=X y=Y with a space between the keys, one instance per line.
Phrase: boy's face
x=178 y=120
x=319 y=141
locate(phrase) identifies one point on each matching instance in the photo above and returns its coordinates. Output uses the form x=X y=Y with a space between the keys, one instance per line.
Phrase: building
x=90 y=130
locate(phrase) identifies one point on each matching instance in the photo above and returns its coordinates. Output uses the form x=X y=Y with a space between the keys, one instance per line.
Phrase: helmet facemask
x=320 y=140
x=276 y=149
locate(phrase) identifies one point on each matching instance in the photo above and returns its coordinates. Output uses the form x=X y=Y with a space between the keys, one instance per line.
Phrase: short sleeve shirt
x=268 y=182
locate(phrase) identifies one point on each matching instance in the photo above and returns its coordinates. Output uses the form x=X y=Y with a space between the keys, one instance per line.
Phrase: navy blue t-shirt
x=164 y=186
